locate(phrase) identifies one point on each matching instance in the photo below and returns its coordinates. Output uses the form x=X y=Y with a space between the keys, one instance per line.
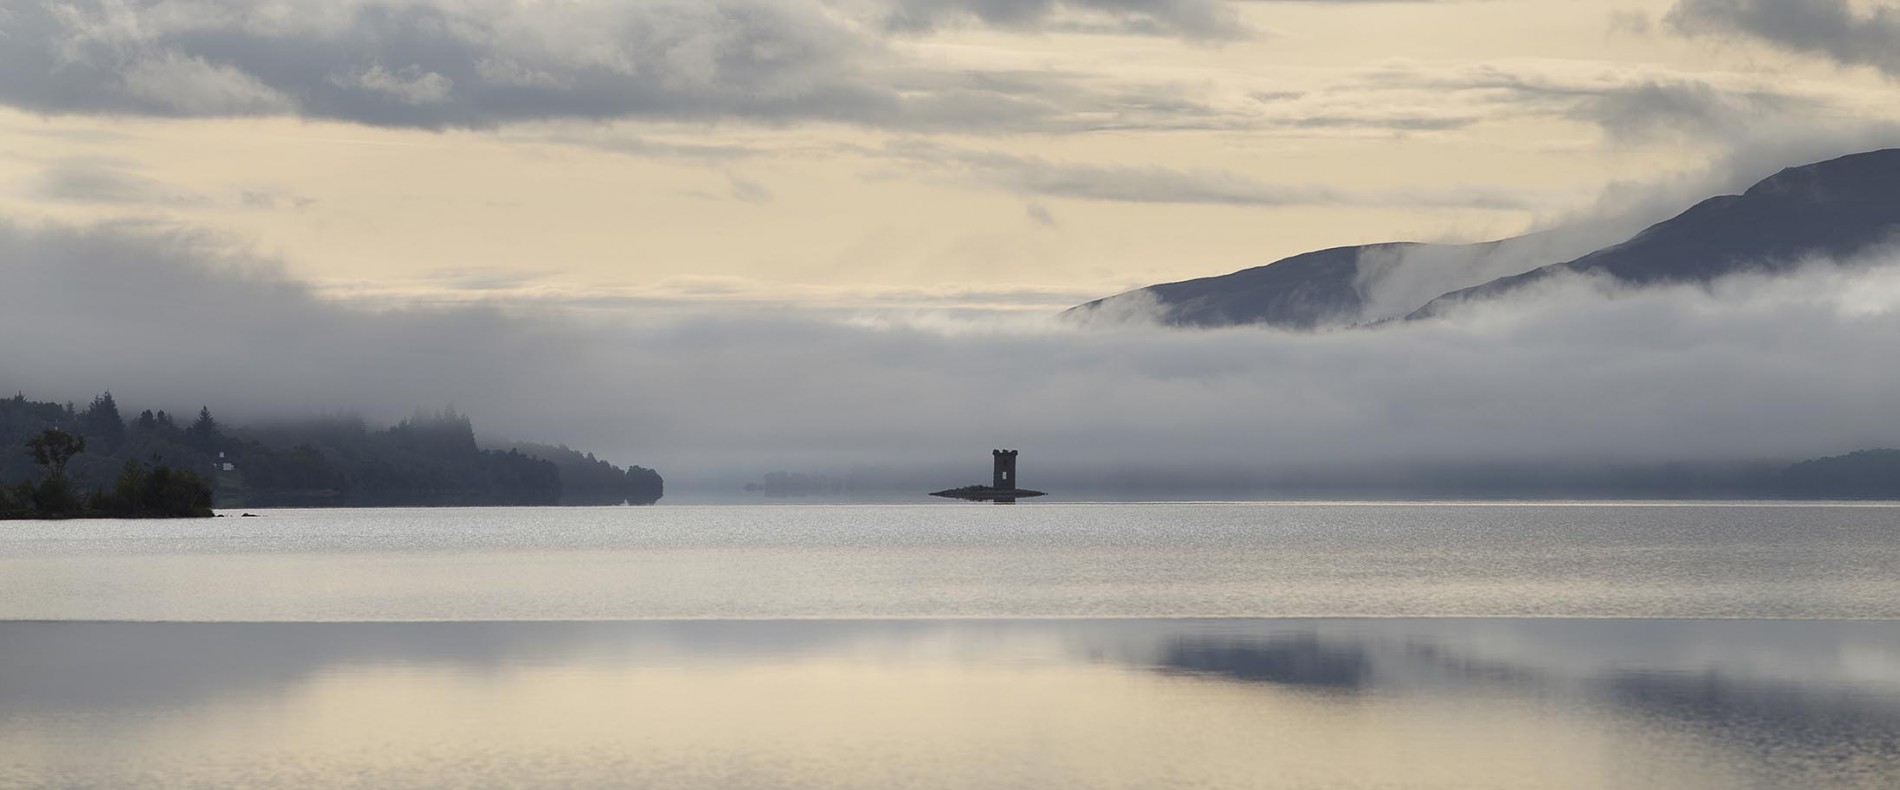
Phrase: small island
x=1003 y=488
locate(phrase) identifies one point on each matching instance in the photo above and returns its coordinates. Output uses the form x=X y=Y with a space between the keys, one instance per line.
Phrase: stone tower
x=1005 y=473
x=1004 y=488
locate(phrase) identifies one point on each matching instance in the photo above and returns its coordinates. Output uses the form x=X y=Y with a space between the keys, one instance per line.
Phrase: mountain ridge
x=1837 y=209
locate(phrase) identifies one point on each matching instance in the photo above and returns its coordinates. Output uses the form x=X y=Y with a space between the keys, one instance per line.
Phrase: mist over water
x=1751 y=368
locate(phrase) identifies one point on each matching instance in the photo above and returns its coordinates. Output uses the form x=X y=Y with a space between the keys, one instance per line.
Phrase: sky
x=740 y=235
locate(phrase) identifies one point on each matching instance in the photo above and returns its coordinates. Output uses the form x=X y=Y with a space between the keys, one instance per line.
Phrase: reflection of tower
x=1005 y=475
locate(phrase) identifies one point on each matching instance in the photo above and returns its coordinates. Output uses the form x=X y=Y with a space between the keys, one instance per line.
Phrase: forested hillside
x=586 y=480
x=428 y=459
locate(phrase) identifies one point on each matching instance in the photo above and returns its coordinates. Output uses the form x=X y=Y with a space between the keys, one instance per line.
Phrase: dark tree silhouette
x=54 y=496
x=157 y=492
x=204 y=432
x=53 y=448
x=101 y=420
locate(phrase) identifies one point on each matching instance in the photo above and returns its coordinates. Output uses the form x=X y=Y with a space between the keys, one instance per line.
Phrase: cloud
x=175 y=83
x=1394 y=282
x=1688 y=109
x=482 y=279
x=119 y=182
x=1206 y=20
x=1753 y=368
x=483 y=63
x=1389 y=281
x=1382 y=120
x=448 y=63
x=1112 y=183
x=1747 y=156
x=634 y=145
x=410 y=86
x=1041 y=214
x=1630 y=22
x=271 y=200
x=690 y=295
x=436 y=64
x=1833 y=29
x=748 y=191
x=1631 y=104
x=93 y=180
x=1031 y=175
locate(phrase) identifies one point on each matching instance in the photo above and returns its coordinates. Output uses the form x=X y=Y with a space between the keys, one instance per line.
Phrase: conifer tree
x=101 y=420
x=203 y=432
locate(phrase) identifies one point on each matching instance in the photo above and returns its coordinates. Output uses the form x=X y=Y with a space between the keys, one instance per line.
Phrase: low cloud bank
x=1576 y=371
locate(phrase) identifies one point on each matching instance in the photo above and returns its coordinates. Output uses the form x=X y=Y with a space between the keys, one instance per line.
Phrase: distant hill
x=1318 y=290
x=1868 y=474
x=1835 y=209
x=1305 y=291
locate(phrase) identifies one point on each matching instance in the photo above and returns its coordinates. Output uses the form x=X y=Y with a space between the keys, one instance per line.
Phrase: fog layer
x=1574 y=371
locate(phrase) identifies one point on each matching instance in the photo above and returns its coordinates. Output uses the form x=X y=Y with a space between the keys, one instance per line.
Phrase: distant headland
x=429 y=459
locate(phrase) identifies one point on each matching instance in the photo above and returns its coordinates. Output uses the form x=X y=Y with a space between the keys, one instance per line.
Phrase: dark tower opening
x=1004 y=475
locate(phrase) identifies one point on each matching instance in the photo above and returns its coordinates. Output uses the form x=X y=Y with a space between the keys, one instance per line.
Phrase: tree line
x=431 y=458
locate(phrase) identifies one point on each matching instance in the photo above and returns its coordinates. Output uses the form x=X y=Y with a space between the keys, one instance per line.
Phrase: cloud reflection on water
x=1808 y=702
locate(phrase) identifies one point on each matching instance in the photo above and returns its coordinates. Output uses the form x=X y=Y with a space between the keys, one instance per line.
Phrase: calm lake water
x=1045 y=646
x=1115 y=560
